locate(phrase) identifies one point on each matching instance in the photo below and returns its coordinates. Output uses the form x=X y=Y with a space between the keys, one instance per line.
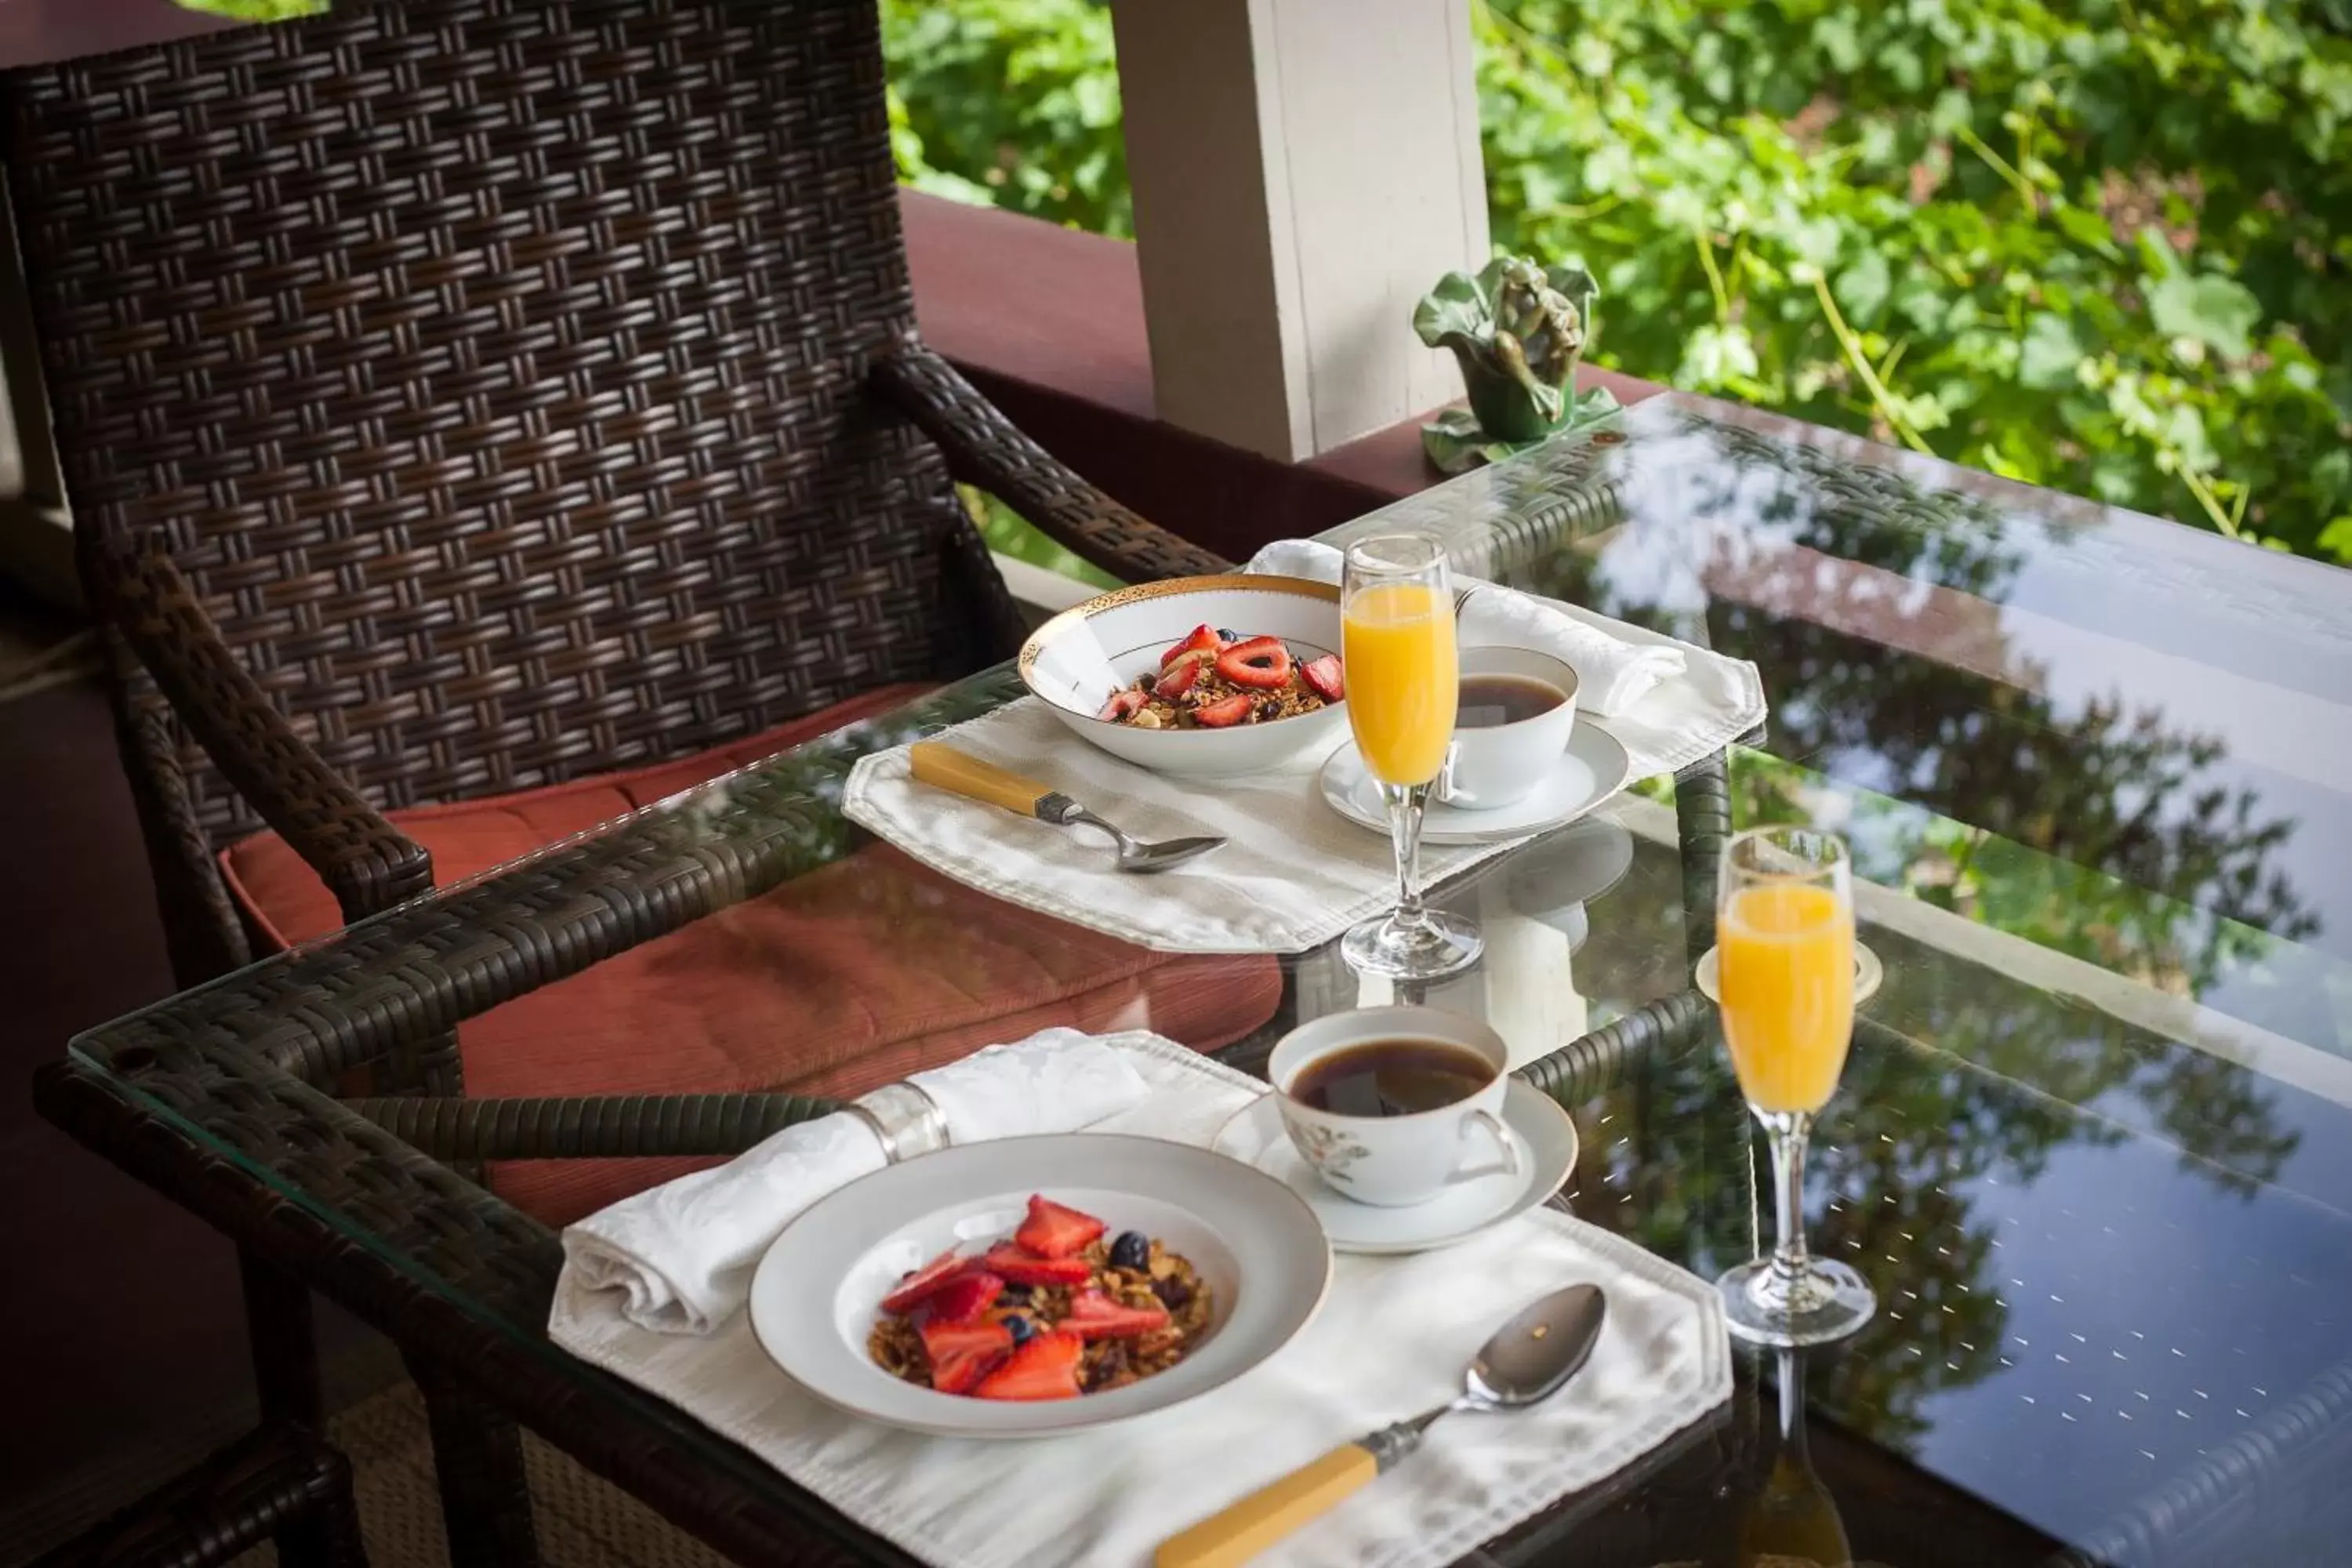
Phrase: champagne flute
x=1784 y=939
x=1403 y=677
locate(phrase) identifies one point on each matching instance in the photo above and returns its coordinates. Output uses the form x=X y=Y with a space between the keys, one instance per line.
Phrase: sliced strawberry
x=1095 y=1315
x=1221 y=715
x=963 y=1354
x=1121 y=705
x=1262 y=662
x=965 y=1297
x=927 y=1280
x=1180 y=676
x=1324 y=677
x=1045 y=1367
x=1201 y=638
x=1022 y=1267
x=1052 y=1231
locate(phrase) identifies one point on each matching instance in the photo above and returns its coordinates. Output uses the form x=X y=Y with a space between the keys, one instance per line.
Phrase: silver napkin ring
x=907 y=1120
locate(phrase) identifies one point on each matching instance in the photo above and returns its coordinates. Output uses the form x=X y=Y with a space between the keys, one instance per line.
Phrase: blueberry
x=1014 y=1293
x=1224 y=636
x=1131 y=1250
x=1020 y=1327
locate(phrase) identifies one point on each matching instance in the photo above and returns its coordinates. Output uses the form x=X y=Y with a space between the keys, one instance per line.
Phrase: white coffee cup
x=1394 y=1161
x=1500 y=765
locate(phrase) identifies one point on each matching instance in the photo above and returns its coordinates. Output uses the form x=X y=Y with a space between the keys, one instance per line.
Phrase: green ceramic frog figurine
x=1517 y=330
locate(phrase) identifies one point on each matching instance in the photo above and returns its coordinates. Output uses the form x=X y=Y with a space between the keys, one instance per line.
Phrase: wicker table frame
x=218 y=1099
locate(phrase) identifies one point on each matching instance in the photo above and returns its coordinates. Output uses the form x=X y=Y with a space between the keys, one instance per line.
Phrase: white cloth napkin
x=1390 y=1341
x=1612 y=674
x=1295 y=873
x=677 y=1259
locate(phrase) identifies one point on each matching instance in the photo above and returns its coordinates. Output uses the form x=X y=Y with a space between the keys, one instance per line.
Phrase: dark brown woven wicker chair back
x=496 y=371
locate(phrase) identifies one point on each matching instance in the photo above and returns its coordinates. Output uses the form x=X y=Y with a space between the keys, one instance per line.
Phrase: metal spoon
x=1528 y=1360
x=944 y=767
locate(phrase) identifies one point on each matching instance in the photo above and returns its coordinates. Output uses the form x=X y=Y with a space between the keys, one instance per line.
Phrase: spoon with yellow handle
x=944 y=767
x=1528 y=1360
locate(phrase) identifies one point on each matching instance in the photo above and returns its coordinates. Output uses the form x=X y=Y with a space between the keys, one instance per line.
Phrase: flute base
x=1827 y=1302
x=1430 y=947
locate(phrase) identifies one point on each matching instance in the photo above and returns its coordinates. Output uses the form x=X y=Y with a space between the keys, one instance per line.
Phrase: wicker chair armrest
x=985 y=448
x=1594 y=1063
x=366 y=862
x=583 y=1128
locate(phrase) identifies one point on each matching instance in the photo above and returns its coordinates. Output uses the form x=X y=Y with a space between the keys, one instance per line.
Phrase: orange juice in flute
x=1785 y=974
x=1397 y=646
x=1396 y=605
x=1787 y=979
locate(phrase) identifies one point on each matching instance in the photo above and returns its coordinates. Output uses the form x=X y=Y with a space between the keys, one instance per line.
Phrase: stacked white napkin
x=681 y=1254
x=1612 y=674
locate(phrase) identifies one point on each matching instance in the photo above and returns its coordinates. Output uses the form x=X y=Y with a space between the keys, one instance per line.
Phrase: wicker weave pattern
x=495 y=370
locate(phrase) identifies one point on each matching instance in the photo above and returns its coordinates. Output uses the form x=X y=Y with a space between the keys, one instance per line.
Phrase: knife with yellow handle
x=1528 y=1359
x=943 y=767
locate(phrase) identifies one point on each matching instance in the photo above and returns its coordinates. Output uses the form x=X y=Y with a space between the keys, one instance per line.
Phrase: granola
x=1213 y=680
x=1098 y=1313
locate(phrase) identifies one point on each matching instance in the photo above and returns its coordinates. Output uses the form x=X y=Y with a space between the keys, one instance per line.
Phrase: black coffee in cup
x=1491 y=700
x=1392 y=1077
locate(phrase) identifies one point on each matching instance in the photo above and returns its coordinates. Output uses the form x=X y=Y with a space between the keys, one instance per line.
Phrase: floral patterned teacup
x=1394 y=1161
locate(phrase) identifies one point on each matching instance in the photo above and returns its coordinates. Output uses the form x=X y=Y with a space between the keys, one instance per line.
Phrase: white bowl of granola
x=829 y=1301
x=1199 y=675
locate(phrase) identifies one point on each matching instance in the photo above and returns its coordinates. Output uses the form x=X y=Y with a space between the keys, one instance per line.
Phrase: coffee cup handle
x=1492 y=1125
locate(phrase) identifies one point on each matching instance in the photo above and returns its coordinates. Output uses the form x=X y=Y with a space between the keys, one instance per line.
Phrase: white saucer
x=1593 y=768
x=1542 y=1130
x=1868 y=974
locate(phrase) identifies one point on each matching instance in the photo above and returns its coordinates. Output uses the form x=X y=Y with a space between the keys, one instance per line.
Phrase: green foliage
x=256 y=10
x=2105 y=246
x=1008 y=534
x=1013 y=102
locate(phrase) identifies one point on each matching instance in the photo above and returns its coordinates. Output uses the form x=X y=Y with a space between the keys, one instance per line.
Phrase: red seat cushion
x=854 y=976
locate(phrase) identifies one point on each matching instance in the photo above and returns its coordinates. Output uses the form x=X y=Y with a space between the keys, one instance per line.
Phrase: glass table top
x=2094 y=1147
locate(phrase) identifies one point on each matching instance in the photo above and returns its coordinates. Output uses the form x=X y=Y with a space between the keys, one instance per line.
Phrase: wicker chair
x=458 y=395
x=462 y=395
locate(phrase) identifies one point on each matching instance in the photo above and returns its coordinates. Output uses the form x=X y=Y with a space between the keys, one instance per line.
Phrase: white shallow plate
x=1547 y=1144
x=1075 y=661
x=817 y=1293
x=1594 y=768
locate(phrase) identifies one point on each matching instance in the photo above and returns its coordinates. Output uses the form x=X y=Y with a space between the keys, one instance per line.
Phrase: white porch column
x=1303 y=172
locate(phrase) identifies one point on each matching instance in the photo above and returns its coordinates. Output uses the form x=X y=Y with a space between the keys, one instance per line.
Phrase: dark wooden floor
x=124 y=1334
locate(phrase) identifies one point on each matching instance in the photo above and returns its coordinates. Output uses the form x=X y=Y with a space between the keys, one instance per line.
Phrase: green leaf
x=2087 y=227
x=1454 y=312
x=1862 y=288
x=2051 y=356
x=2336 y=538
x=256 y=10
x=2184 y=432
x=1715 y=356
x=2215 y=310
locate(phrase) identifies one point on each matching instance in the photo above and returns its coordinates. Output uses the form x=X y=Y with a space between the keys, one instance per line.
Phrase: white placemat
x=1390 y=1342
x=1295 y=873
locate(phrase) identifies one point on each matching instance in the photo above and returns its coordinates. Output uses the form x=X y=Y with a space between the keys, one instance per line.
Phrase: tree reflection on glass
x=2094 y=830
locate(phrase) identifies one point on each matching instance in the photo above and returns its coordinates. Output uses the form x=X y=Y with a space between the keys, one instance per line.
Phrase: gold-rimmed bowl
x=1074 y=662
